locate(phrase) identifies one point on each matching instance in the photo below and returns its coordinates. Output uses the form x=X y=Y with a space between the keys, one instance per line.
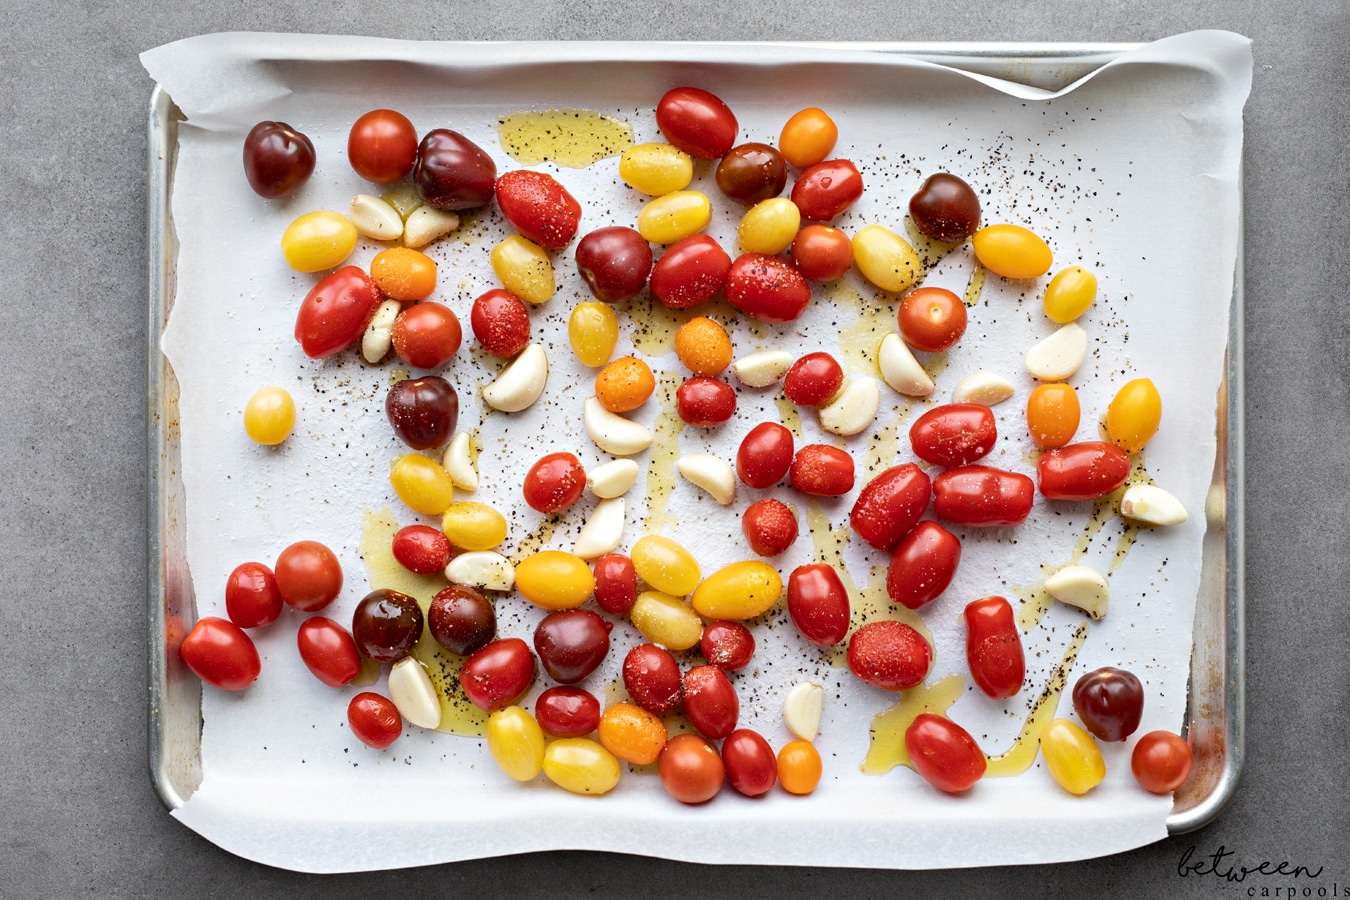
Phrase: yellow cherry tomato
x=799 y=767
x=1072 y=756
x=318 y=240
x=741 y=590
x=269 y=416
x=403 y=273
x=1069 y=294
x=593 y=331
x=471 y=525
x=555 y=579
x=665 y=565
x=1133 y=416
x=624 y=385
x=632 y=733
x=885 y=259
x=677 y=215
x=1052 y=414
x=516 y=742
x=1012 y=251
x=656 y=169
x=666 y=620
x=581 y=766
x=703 y=346
x=524 y=269
x=808 y=137
x=422 y=484
x=769 y=226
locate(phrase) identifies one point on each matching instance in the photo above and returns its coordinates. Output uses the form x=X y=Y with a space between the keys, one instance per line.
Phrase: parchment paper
x=1133 y=172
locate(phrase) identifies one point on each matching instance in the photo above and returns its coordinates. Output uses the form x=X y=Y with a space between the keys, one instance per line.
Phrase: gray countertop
x=81 y=816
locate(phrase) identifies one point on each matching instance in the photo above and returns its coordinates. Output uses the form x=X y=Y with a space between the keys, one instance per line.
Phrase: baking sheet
x=1203 y=135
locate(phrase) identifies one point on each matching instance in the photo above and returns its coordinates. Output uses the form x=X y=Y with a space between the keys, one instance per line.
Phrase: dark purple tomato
x=571 y=643
x=945 y=208
x=386 y=625
x=498 y=675
x=453 y=172
x=1110 y=702
x=705 y=402
x=751 y=765
x=614 y=262
x=461 y=619
x=423 y=411
x=752 y=172
x=652 y=678
x=278 y=160
x=727 y=645
x=697 y=122
x=564 y=712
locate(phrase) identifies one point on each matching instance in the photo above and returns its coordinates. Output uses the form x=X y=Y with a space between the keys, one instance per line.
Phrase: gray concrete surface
x=78 y=815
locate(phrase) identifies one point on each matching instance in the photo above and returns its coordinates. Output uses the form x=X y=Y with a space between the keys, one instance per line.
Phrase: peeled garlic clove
x=379 y=334
x=413 y=693
x=520 y=383
x=484 y=569
x=458 y=461
x=853 y=409
x=613 y=433
x=802 y=708
x=1081 y=587
x=763 y=368
x=613 y=479
x=1060 y=355
x=901 y=370
x=375 y=218
x=427 y=223
x=602 y=531
x=1151 y=506
x=984 y=388
x=711 y=474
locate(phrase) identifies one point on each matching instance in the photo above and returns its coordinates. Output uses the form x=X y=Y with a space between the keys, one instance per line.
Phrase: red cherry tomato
x=251 y=596
x=705 y=402
x=615 y=584
x=932 y=319
x=751 y=765
x=427 y=335
x=826 y=189
x=565 y=712
x=498 y=675
x=822 y=470
x=554 y=482
x=769 y=527
x=334 y=314
x=652 y=678
x=221 y=654
x=571 y=643
x=382 y=146
x=453 y=172
x=944 y=753
x=278 y=160
x=614 y=262
x=767 y=288
x=994 y=647
x=818 y=604
x=727 y=645
x=888 y=506
x=889 y=655
x=822 y=253
x=691 y=271
x=923 y=565
x=374 y=720
x=1084 y=471
x=980 y=495
x=697 y=122
x=1161 y=762
x=765 y=455
x=1110 y=702
x=500 y=322
x=539 y=207
x=956 y=434
x=710 y=701
x=309 y=576
x=812 y=379
x=421 y=549
x=691 y=770
x=328 y=651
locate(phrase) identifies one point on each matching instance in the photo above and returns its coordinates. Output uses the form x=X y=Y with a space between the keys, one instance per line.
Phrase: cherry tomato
x=554 y=482
x=269 y=416
x=1133 y=416
x=981 y=495
x=221 y=654
x=931 y=318
x=751 y=767
x=822 y=470
x=956 y=434
x=624 y=384
x=710 y=701
x=421 y=549
x=500 y=322
x=652 y=678
x=403 y=273
x=328 y=651
x=889 y=654
x=427 y=335
x=1012 y=251
x=697 y=122
x=278 y=160
x=822 y=253
x=252 y=599
x=453 y=172
x=461 y=619
x=818 y=604
x=888 y=506
x=923 y=565
x=691 y=769
x=765 y=455
x=615 y=584
x=539 y=207
x=1110 y=702
x=309 y=576
x=593 y=331
x=812 y=379
x=703 y=346
x=382 y=146
x=318 y=240
x=374 y=720
x=769 y=526
x=767 y=288
x=1161 y=762
x=386 y=625
x=944 y=753
x=571 y=643
x=334 y=314
x=752 y=172
x=705 y=402
x=1052 y=414
x=808 y=137
x=614 y=262
x=423 y=411
x=1082 y=471
x=826 y=189
x=565 y=712
x=691 y=271
x=498 y=675
x=727 y=645
x=945 y=208
x=799 y=767
x=994 y=647
x=632 y=733
x=1072 y=756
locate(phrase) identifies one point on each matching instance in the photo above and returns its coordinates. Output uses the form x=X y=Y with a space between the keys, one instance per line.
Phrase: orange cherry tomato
x=799 y=767
x=691 y=769
x=808 y=137
x=1052 y=414
x=624 y=384
x=403 y=273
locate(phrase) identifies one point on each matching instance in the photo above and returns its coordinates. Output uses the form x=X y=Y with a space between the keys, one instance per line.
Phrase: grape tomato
x=750 y=764
x=808 y=137
x=826 y=189
x=452 y=172
x=567 y=711
x=624 y=384
x=328 y=651
x=461 y=619
x=498 y=674
x=691 y=769
x=1161 y=762
x=1084 y=471
x=705 y=402
x=615 y=584
x=799 y=767
x=632 y=733
x=382 y=146
x=374 y=720
x=252 y=598
x=1072 y=757
x=703 y=346
x=335 y=312
x=710 y=701
x=821 y=252
x=818 y=604
x=422 y=484
x=403 y=273
x=386 y=625
x=888 y=506
x=427 y=335
x=765 y=455
x=813 y=379
x=423 y=411
x=318 y=240
x=769 y=526
x=593 y=332
x=945 y=208
x=269 y=416
x=421 y=549
x=674 y=217
x=1012 y=251
x=923 y=565
x=652 y=678
x=516 y=742
x=656 y=169
x=994 y=647
x=539 y=207
x=889 y=655
x=614 y=262
x=697 y=122
x=1052 y=414
x=932 y=319
x=554 y=482
x=691 y=271
x=956 y=434
x=727 y=645
x=822 y=470
x=982 y=495
x=221 y=654
x=571 y=643
x=944 y=753
x=767 y=288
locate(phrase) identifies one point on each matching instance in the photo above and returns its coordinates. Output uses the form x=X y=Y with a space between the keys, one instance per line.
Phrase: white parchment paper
x=1133 y=172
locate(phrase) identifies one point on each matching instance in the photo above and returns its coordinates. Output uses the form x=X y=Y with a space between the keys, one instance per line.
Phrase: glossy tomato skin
x=767 y=288
x=888 y=506
x=328 y=651
x=752 y=172
x=382 y=146
x=421 y=549
x=822 y=253
x=727 y=645
x=956 y=434
x=769 y=527
x=615 y=584
x=427 y=335
x=386 y=625
x=652 y=678
x=945 y=208
x=221 y=654
x=1161 y=762
x=567 y=711
x=499 y=674
x=309 y=576
x=374 y=720
x=539 y=207
x=278 y=160
x=453 y=172
x=705 y=402
x=710 y=701
x=822 y=470
x=826 y=189
x=923 y=565
x=994 y=647
x=1084 y=471
x=571 y=643
x=944 y=753
x=614 y=262
x=1110 y=702
x=500 y=322
x=752 y=768
x=982 y=495
x=889 y=655
x=251 y=596
x=334 y=314
x=931 y=319
x=818 y=604
x=554 y=482
x=765 y=455
x=812 y=379
x=461 y=619
x=697 y=122
x=690 y=768
x=423 y=411
x=692 y=271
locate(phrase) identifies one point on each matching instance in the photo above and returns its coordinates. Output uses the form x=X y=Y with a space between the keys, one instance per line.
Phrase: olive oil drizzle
x=1019 y=757
x=571 y=138
x=665 y=451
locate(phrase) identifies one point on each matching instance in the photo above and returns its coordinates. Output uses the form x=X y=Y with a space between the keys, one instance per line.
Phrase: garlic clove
x=520 y=383
x=613 y=433
x=853 y=409
x=710 y=473
x=802 y=708
x=984 y=388
x=1060 y=355
x=602 y=531
x=763 y=368
x=613 y=479
x=1081 y=587
x=901 y=370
